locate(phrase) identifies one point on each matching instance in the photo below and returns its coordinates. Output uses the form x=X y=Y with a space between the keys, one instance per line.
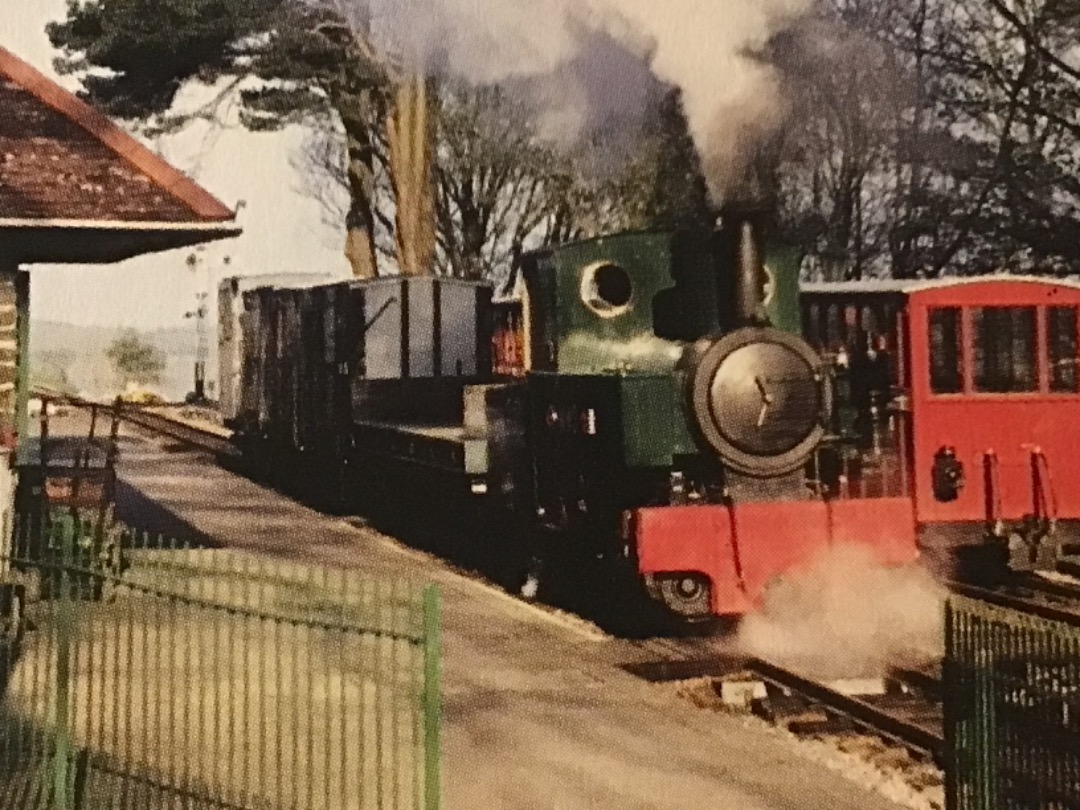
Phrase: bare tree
x=838 y=161
x=934 y=136
x=501 y=189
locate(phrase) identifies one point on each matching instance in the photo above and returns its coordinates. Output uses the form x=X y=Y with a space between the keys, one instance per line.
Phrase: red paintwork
x=743 y=548
x=508 y=339
x=1011 y=425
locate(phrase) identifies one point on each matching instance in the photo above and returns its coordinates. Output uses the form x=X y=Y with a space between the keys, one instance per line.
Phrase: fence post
x=953 y=739
x=985 y=725
x=61 y=769
x=432 y=699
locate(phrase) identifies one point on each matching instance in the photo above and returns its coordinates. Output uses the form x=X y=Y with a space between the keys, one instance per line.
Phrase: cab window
x=1004 y=341
x=945 y=351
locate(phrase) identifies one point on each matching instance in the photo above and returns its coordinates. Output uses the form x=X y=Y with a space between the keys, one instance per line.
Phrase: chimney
x=746 y=224
x=750 y=271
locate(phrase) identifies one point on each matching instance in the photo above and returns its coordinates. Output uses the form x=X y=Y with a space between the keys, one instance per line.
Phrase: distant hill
x=54 y=336
x=64 y=352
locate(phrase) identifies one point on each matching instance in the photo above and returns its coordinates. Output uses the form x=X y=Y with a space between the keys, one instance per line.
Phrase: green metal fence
x=140 y=674
x=1012 y=709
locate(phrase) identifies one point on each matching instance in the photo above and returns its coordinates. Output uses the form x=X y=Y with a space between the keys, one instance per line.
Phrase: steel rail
x=926 y=682
x=1051 y=588
x=186 y=434
x=182 y=432
x=879 y=721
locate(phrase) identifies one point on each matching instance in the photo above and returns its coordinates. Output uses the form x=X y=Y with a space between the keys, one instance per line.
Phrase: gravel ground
x=887 y=770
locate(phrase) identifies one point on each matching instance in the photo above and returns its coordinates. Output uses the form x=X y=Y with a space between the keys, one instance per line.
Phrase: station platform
x=538 y=713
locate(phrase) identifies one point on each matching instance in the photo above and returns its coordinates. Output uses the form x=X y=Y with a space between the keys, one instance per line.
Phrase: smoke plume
x=592 y=66
x=848 y=617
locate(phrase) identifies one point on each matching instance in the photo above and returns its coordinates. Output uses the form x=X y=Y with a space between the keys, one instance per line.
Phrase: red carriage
x=984 y=406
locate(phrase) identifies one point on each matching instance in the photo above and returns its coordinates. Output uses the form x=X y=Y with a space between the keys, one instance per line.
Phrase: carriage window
x=869 y=322
x=814 y=326
x=832 y=328
x=1062 y=345
x=945 y=354
x=1004 y=340
x=850 y=325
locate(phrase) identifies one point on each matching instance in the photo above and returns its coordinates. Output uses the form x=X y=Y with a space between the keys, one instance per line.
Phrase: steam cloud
x=591 y=66
x=847 y=617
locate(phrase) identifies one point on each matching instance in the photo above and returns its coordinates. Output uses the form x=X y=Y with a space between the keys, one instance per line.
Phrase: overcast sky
x=284 y=229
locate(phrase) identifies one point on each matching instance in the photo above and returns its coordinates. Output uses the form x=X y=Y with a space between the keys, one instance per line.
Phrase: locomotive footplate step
x=444 y=446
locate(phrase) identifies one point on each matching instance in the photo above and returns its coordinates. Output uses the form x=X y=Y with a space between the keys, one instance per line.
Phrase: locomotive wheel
x=687 y=595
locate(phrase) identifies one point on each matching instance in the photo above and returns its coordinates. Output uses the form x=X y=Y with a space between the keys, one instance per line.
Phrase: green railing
x=1012 y=709
x=137 y=673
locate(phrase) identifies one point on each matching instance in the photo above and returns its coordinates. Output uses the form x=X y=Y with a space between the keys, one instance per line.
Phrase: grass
x=258 y=687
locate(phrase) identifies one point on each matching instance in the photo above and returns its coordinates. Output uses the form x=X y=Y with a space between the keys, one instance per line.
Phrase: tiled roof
x=62 y=160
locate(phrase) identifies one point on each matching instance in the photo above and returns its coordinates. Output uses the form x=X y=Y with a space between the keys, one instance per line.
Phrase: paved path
x=538 y=716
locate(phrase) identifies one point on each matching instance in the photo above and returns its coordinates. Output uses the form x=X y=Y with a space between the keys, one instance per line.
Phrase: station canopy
x=76 y=188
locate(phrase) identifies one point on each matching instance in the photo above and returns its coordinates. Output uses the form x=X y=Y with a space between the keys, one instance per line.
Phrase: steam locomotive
x=668 y=402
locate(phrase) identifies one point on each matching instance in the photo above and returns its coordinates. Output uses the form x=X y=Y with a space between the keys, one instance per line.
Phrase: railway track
x=188 y=435
x=906 y=712
x=903 y=709
x=1038 y=596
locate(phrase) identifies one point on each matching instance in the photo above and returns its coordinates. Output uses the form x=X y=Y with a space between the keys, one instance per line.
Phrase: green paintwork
x=310 y=638
x=1009 y=693
x=571 y=339
x=591 y=344
x=782 y=265
x=654 y=422
x=432 y=700
x=62 y=773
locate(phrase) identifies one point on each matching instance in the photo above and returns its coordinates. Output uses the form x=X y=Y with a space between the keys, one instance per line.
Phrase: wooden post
x=14 y=394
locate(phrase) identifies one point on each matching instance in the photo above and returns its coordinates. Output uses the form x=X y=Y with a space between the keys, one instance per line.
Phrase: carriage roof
x=894 y=286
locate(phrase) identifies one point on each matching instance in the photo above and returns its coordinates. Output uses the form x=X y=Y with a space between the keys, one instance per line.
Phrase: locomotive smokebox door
x=757 y=396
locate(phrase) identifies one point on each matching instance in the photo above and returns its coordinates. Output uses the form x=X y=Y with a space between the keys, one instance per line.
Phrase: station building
x=75 y=188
